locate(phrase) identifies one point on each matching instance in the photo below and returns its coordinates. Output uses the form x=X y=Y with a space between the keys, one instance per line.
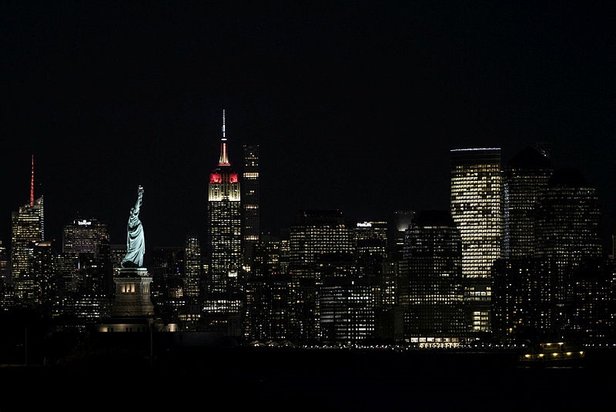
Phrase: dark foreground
x=260 y=379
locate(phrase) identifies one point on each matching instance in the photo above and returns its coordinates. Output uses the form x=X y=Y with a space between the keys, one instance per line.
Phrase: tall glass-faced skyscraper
x=27 y=225
x=27 y=229
x=224 y=224
x=250 y=202
x=476 y=208
x=566 y=235
x=567 y=220
x=525 y=179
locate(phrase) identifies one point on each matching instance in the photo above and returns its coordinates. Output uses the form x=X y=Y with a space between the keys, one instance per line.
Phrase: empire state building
x=224 y=224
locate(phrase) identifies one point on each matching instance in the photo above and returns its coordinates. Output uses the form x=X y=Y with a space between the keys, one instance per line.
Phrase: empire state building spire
x=224 y=159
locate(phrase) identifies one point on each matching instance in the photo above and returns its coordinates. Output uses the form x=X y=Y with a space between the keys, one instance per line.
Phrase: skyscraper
x=84 y=236
x=192 y=283
x=192 y=267
x=321 y=245
x=371 y=238
x=315 y=234
x=250 y=202
x=377 y=272
x=525 y=179
x=224 y=223
x=167 y=268
x=27 y=230
x=476 y=208
x=86 y=296
x=517 y=277
x=566 y=235
x=560 y=288
x=401 y=221
x=347 y=310
x=396 y=264
x=223 y=304
x=269 y=314
x=371 y=249
x=431 y=293
x=567 y=227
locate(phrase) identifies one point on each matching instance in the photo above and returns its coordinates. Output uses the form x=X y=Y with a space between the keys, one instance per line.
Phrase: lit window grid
x=27 y=227
x=192 y=265
x=521 y=190
x=225 y=243
x=347 y=312
x=84 y=239
x=432 y=293
x=307 y=243
x=476 y=208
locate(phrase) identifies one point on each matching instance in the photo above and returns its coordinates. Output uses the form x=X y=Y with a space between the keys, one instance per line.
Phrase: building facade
x=192 y=267
x=84 y=236
x=431 y=292
x=27 y=229
x=223 y=303
x=525 y=180
x=476 y=208
x=224 y=224
x=27 y=226
x=516 y=305
x=319 y=241
x=566 y=236
x=346 y=310
x=269 y=310
x=251 y=226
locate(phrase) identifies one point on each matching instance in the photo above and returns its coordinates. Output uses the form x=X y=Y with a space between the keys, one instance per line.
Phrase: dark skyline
x=355 y=105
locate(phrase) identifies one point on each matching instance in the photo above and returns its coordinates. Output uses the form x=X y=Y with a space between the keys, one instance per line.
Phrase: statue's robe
x=135 y=243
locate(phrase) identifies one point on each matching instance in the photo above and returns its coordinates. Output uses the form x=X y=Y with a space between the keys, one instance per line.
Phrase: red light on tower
x=215 y=178
x=233 y=178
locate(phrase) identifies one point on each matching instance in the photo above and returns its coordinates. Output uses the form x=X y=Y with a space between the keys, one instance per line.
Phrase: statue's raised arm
x=135 y=238
x=137 y=207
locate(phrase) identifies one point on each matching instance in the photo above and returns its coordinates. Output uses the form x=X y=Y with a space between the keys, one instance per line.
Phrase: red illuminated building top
x=215 y=178
x=220 y=175
x=218 y=178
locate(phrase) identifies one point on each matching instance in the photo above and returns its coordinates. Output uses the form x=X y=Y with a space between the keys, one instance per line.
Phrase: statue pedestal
x=132 y=294
x=132 y=309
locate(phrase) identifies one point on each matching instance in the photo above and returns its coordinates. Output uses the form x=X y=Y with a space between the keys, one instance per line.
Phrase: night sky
x=355 y=104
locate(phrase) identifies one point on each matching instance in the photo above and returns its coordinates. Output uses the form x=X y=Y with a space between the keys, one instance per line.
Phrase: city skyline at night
x=333 y=281
x=354 y=205
x=607 y=228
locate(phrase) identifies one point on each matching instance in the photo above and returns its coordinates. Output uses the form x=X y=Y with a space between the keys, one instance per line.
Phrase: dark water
x=247 y=379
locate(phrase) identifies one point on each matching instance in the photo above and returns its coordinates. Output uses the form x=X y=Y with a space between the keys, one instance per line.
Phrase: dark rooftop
x=530 y=158
x=434 y=218
x=568 y=177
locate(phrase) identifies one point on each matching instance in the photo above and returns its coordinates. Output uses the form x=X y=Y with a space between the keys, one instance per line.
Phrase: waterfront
x=288 y=379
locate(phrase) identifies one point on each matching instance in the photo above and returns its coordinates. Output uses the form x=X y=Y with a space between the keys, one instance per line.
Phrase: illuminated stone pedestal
x=132 y=309
x=132 y=294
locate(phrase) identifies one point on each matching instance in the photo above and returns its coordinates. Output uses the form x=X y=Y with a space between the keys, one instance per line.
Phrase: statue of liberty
x=135 y=239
